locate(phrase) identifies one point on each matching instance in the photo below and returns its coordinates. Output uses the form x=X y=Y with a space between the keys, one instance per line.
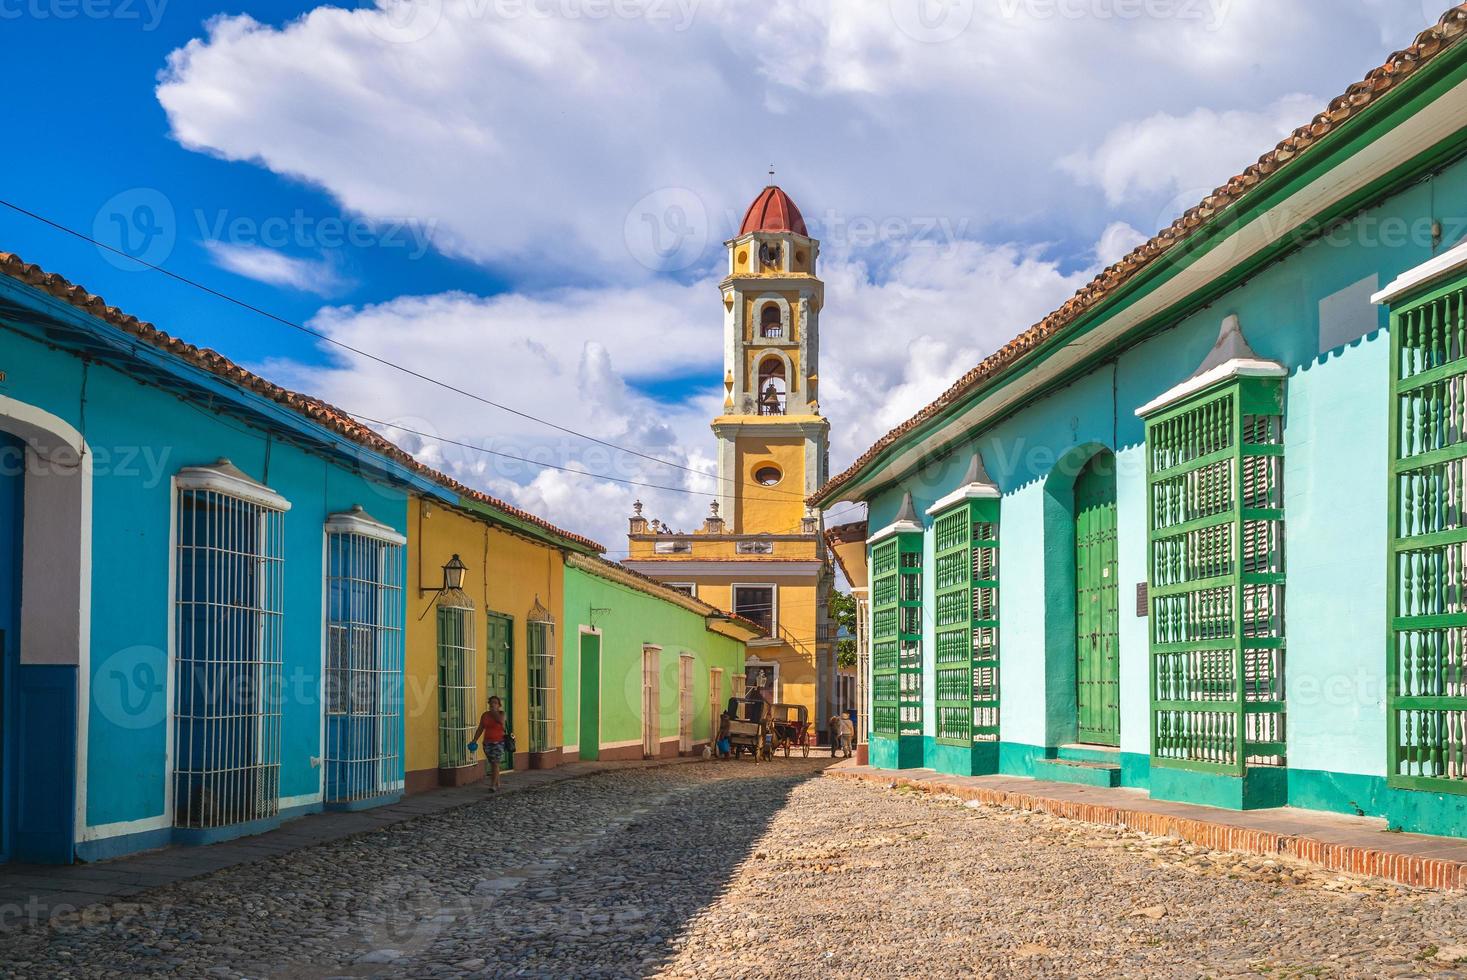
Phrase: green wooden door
x=499 y=668
x=1097 y=604
x=590 y=723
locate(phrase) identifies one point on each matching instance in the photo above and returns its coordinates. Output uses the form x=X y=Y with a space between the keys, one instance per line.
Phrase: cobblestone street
x=736 y=870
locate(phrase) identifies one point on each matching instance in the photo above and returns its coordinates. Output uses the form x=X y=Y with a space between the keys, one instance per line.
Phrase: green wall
x=1311 y=311
x=629 y=619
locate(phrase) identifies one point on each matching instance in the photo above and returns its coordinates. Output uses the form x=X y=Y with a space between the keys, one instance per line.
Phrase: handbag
x=509 y=746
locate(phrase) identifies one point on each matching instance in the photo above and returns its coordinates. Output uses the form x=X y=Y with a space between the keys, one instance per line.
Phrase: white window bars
x=364 y=651
x=228 y=648
x=541 y=665
x=456 y=652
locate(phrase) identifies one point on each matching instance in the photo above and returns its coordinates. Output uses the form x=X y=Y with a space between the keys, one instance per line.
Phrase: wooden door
x=685 y=705
x=590 y=716
x=1097 y=604
x=651 y=701
x=499 y=668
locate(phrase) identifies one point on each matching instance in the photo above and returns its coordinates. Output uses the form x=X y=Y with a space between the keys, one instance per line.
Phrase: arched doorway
x=45 y=559
x=1097 y=604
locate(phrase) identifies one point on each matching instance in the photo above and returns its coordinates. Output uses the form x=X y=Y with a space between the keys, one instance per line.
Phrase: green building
x=1203 y=529
x=647 y=667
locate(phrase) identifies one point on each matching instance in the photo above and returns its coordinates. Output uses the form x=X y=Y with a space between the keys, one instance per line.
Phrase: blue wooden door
x=11 y=498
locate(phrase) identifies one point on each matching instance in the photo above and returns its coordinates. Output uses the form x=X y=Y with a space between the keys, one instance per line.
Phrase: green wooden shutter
x=966 y=571
x=1427 y=653
x=896 y=635
x=909 y=632
x=884 y=655
x=1216 y=582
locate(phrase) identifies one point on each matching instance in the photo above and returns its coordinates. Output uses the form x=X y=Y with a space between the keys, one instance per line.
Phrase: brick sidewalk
x=31 y=892
x=1360 y=845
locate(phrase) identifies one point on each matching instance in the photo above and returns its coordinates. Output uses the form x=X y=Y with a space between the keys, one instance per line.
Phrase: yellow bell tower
x=771 y=438
x=760 y=552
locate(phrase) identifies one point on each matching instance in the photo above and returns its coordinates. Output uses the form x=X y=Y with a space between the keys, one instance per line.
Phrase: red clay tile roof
x=1429 y=44
x=327 y=416
x=852 y=533
x=846 y=533
x=773 y=210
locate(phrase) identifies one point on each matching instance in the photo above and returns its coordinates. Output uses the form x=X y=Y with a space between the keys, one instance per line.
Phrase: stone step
x=1084 y=772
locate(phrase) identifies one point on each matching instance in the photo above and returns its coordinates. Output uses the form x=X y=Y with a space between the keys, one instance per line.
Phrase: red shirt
x=493 y=727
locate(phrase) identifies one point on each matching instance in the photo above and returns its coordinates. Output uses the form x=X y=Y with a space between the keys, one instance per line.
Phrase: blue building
x=201 y=588
x=1203 y=530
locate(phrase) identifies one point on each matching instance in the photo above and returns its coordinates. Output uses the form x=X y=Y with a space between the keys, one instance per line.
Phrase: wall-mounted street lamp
x=453 y=580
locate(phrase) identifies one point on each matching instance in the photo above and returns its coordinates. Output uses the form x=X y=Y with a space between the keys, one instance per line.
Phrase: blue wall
x=1311 y=311
x=140 y=437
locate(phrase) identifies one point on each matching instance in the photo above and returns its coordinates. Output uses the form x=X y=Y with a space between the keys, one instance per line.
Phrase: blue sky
x=500 y=165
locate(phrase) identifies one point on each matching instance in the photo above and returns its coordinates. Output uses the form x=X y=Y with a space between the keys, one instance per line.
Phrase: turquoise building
x=201 y=589
x=1203 y=530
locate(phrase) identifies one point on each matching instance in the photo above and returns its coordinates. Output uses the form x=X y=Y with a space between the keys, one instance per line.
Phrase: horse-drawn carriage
x=791 y=723
x=759 y=728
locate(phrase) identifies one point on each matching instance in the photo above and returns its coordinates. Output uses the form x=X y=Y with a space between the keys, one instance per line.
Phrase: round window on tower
x=768 y=476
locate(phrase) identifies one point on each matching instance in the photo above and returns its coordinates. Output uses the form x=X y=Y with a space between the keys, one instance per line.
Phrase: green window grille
x=1216 y=584
x=896 y=635
x=966 y=662
x=884 y=659
x=1427 y=653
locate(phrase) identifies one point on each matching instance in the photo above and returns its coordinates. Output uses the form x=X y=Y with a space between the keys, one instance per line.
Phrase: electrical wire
x=326 y=338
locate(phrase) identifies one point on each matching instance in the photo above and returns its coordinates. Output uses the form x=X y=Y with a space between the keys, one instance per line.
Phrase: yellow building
x=760 y=553
x=485 y=583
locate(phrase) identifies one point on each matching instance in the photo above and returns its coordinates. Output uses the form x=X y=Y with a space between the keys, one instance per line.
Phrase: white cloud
x=1165 y=155
x=569 y=356
x=1116 y=242
x=266 y=265
x=526 y=141
x=580 y=158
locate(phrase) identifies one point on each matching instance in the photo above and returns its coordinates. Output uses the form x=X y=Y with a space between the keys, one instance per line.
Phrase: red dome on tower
x=773 y=210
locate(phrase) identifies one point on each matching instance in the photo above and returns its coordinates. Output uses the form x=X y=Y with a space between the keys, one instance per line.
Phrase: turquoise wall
x=1310 y=311
x=628 y=619
x=140 y=437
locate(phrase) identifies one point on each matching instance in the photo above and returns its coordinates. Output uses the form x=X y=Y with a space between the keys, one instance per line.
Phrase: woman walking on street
x=491 y=727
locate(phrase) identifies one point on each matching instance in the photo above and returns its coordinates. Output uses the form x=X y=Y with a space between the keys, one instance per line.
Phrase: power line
x=326 y=338
x=554 y=466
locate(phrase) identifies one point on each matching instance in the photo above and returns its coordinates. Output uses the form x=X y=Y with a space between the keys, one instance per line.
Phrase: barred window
x=541 y=664
x=229 y=587
x=457 y=719
x=1215 y=469
x=1427 y=594
x=896 y=635
x=364 y=669
x=966 y=669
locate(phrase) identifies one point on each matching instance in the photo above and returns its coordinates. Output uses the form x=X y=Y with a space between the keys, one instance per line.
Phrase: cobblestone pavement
x=733 y=870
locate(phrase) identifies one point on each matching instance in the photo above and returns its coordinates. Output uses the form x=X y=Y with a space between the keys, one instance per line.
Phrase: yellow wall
x=505 y=574
x=796 y=606
x=777 y=509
